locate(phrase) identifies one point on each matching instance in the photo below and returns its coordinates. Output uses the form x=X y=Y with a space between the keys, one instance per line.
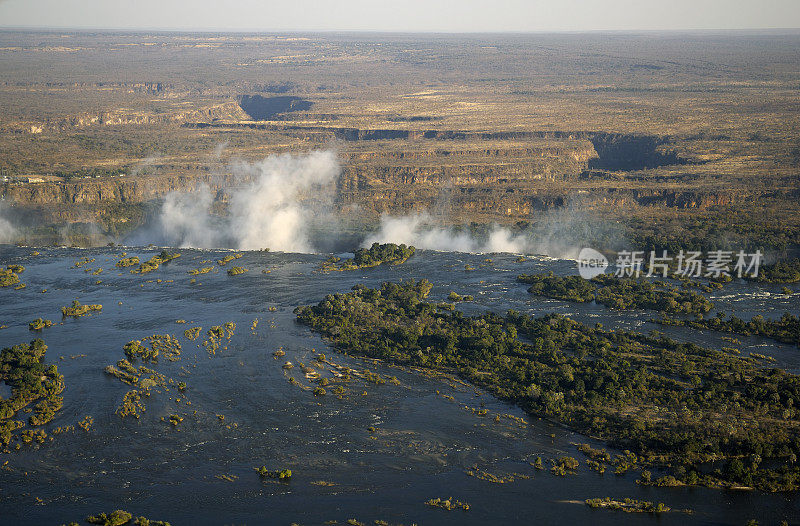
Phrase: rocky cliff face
x=107 y=190
x=463 y=176
x=225 y=110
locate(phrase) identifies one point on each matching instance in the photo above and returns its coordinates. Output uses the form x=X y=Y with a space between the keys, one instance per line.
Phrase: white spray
x=8 y=232
x=186 y=220
x=282 y=199
x=422 y=231
x=558 y=233
x=285 y=197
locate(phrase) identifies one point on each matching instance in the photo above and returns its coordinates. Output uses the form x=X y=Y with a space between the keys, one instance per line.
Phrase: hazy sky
x=403 y=15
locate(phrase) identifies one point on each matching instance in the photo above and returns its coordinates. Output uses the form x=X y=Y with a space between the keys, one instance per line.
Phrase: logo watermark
x=591 y=263
x=689 y=264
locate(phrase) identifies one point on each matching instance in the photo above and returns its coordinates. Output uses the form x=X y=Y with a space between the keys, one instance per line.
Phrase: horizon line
x=80 y=29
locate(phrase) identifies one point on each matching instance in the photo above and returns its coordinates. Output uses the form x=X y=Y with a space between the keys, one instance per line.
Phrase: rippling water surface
x=423 y=441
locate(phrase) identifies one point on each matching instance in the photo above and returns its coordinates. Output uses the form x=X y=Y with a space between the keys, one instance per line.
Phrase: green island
x=564 y=466
x=227 y=259
x=618 y=293
x=10 y=275
x=377 y=254
x=84 y=261
x=131 y=405
x=482 y=474
x=193 y=333
x=154 y=262
x=281 y=474
x=708 y=417
x=628 y=505
x=786 y=329
x=456 y=297
x=127 y=262
x=235 y=271
x=121 y=518
x=598 y=460
x=39 y=324
x=448 y=504
x=216 y=334
x=174 y=420
x=77 y=309
x=148 y=349
x=32 y=382
x=143 y=378
x=783 y=271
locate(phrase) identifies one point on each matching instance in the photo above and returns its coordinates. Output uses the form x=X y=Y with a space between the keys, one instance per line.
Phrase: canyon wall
x=461 y=177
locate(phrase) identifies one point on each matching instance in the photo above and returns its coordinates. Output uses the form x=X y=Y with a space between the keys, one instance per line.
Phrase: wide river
x=425 y=435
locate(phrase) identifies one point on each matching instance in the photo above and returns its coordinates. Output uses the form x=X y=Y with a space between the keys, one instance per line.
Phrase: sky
x=454 y=16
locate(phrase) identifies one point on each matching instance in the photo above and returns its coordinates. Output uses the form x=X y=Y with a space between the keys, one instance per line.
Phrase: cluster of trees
x=31 y=382
x=618 y=293
x=373 y=256
x=132 y=404
x=455 y=297
x=670 y=403
x=282 y=474
x=10 y=275
x=121 y=518
x=154 y=262
x=382 y=253
x=77 y=309
x=783 y=271
x=227 y=259
x=115 y=518
x=628 y=505
x=786 y=329
x=733 y=227
x=127 y=262
x=39 y=324
x=134 y=349
x=448 y=504
x=235 y=271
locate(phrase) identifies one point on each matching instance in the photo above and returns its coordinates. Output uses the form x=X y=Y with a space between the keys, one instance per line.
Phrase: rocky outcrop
x=225 y=110
x=108 y=190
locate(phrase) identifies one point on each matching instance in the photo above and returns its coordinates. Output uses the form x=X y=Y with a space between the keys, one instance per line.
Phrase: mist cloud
x=8 y=232
x=559 y=233
x=284 y=197
x=422 y=231
x=282 y=200
x=186 y=219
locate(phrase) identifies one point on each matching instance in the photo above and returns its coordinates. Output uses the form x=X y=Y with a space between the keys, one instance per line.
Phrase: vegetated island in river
x=154 y=262
x=628 y=505
x=10 y=275
x=121 y=518
x=618 y=293
x=628 y=293
x=709 y=417
x=783 y=271
x=32 y=382
x=377 y=254
x=786 y=329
